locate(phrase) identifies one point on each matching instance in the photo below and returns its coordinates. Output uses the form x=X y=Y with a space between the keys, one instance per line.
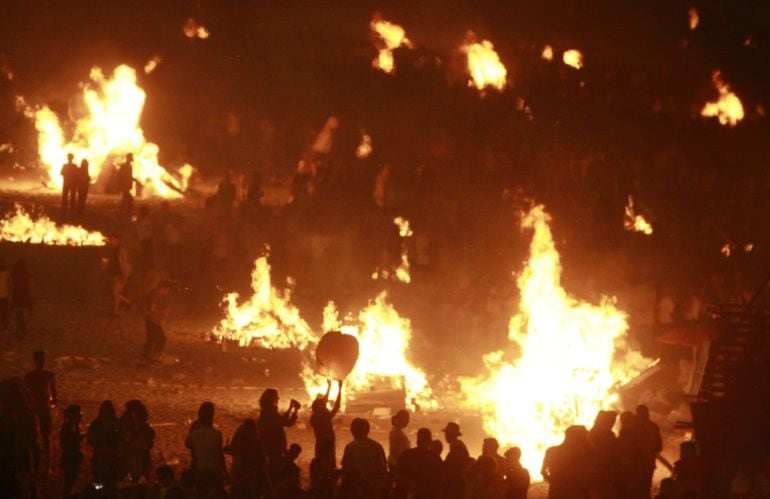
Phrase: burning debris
x=634 y=222
x=693 y=18
x=547 y=53
x=401 y=273
x=390 y=36
x=109 y=130
x=572 y=357
x=573 y=58
x=152 y=64
x=20 y=227
x=364 y=148
x=192 y=30
x=484 y=66
x=727 y=108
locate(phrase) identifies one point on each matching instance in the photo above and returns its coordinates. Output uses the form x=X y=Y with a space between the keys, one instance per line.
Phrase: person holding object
x=272 y=424
x=321 y=421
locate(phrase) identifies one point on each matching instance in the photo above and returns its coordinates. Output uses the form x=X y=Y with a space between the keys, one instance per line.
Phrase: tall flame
x=20 y=227
x=267 y=319
x=392 y=36
x=383 y=338
x=571 y=356
x=108 y=131
x=573 y=58
x=635 y=222
x=484 y=65
x=727 y=108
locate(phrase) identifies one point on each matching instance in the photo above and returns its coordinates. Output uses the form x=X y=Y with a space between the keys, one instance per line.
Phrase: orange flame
x=20 y=227
x=152 y=64
x=110 y=128
x=402 y=272
x=693 y=18
x=547 y=53
x=634 y=222
x=364 y=148
x=573 y=58
x=727 y=108
x=192 y=29
x=484 y=65
x=392 y=36
x=573 y=356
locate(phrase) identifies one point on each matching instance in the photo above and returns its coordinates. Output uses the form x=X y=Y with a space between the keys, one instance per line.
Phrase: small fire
x=391 y=36
x=726 y=250
x=267 y=319
x=693 y=17
x=152 y=64
x=383 y=338
x=573 y=58
x=547 y=53
x=634 y=222
x=108 y=132
x=20 y=227
x=192 y=29
x=402 y=272
x=727 y=108
x=364 y=149
x=484 y=65
x=571 y=356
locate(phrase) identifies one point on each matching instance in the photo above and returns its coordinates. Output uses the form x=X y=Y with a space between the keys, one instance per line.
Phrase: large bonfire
x=108 y=130
x=268 y=319
x=570 y=358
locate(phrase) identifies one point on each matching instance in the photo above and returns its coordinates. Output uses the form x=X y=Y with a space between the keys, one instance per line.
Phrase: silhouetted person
x=490 y=448
x=248 y=475
x=566 y=467
x=169 y=487
x=632 y=460
x=104 y=435
x=69 y=440
x=321 y=421
x=689 y=471
x=323 y=469
x=437 y=447
x=287 y=465
x=118 y=267
x=21 y=295
x=272 y=426
x=19 y=448
x=516 y=476
x=420 y=470
x=397 y=439
x=486 y=482
x=138 y=439
x=5 y=295
x=125 y=185
x=650 y=443
x=607 y=475
x=83 y=182
x=456 y=463
x=205 y=444
x=364 y=462
x=157 y=309
x=41 y=385
x=69 y=173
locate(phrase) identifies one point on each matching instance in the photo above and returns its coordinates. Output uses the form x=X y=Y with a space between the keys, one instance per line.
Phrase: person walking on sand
x=119 y=270
x=69 y=443
x=69 y=173
x=41 y=385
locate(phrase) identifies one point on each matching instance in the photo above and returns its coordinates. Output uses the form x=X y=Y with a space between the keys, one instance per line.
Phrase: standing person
x=516 y=476
x=18 y=440
x=420 y=470
x=397 y=439
x=248 y=475
x=490 y=448
x=205 y=444
x=321 y=421
x=41 y=385
x=69 y=173
x=566 y=467
x=650 y=443
x=365 y=459
x=125 y=186
x=82 y=185
x=21 y=295
x=138 y=439
x=69 y=440
x=104 y=436
x=272 y=426
x=157 y=309
x=456 y=463
x=5 y=294
x=119 y=270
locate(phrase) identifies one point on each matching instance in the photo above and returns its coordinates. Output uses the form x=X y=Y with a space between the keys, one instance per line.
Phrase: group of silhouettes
x=592 y=463
x=76 y=181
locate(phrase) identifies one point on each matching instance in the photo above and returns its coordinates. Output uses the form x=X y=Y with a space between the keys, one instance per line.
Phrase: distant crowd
x=595 y=463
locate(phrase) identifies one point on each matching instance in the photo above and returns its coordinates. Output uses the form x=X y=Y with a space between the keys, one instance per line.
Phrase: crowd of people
x=595 y=463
